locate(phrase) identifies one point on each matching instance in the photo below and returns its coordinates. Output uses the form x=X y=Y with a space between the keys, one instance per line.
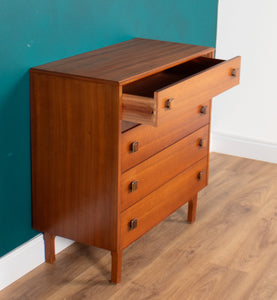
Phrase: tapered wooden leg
x=49 y=245
x=116 y=266
x=192 y=209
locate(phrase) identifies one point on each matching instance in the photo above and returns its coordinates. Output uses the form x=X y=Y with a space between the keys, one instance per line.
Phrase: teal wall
x=33 y=32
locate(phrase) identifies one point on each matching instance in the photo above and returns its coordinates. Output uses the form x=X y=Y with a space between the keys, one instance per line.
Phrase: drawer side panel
x=74 y=132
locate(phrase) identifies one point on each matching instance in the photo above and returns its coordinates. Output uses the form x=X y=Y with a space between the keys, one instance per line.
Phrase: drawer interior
x=146 y=86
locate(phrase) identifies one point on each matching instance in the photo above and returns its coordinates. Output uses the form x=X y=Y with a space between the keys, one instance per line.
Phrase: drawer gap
x=126 y=125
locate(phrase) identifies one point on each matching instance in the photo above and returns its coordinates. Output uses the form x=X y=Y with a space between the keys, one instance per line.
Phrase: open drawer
x=164 y=95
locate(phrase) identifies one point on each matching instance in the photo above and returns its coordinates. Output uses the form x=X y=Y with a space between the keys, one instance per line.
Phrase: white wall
x=25 y=258
x=244 y=120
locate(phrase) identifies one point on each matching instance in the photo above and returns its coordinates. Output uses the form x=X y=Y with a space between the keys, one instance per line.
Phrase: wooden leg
x=192 y=209
x=116 y=266
x=49 y=245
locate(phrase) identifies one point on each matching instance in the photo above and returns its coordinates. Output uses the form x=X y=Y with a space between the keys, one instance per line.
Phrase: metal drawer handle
x=235 y=72
x=203 y=110
x=133 y=224
x=201 y=143
x=133 y=186
x=168 y=103
x=134 y=147
x=200 y=175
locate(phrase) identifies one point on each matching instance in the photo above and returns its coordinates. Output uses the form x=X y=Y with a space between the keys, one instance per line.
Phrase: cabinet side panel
x=74 y=131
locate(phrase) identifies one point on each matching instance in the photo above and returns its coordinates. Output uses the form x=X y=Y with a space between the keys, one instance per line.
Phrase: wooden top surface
x=126 y=61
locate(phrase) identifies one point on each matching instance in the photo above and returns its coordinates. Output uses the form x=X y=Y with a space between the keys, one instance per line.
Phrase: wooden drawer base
x=152 y=209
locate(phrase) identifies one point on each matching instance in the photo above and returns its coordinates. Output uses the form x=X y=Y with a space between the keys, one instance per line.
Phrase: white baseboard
x=242 y=147
x=25 y=258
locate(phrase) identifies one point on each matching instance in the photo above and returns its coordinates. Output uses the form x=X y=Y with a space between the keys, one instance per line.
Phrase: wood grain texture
x=77 y=105
x=116 y=266
x=162 y=202
x=139 y=109
x=126 y=125
x=192 y=207
x=49 y=247
x=203 y=77
x=229 y=253
x=149 y=84
x=75 y=133
x=158 y=169
x=203 y=85
x=154 y=139
x=127 y=61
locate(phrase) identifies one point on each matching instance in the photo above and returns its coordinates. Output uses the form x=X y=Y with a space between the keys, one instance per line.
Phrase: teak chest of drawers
x=120 y=140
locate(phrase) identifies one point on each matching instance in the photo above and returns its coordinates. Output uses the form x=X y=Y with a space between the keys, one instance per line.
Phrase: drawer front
x=141 y=142
x=165 y=95
x=172 y=100
x=147 y=176
x=152 y=209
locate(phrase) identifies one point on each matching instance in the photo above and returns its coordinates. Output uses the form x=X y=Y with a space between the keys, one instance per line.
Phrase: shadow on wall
x=15 y=179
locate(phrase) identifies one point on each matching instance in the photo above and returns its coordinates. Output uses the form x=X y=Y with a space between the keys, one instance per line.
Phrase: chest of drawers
x=120 y=140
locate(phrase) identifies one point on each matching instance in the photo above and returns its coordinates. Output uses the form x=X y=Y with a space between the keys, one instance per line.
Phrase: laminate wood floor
x=230 y=252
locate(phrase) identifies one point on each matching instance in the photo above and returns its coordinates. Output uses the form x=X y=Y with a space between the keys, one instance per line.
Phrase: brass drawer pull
x=200 y=175
x=133 y=224
x=203 y=110
x=133 y=186
x=134 y=147
x=168 y=103
x=235 y=72
x=201 y=143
